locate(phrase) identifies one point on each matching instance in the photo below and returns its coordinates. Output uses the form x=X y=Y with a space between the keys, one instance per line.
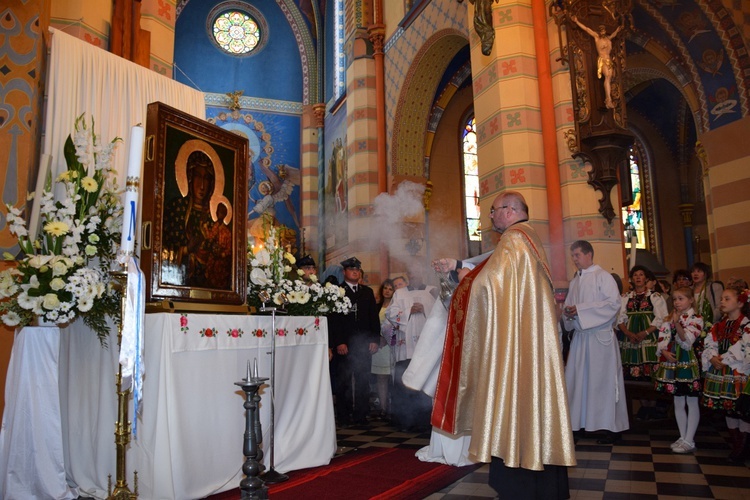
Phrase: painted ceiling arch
x=423 y=77
x=651 y=64
x=702 y=37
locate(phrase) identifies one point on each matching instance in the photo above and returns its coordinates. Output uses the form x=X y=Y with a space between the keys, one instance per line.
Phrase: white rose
x=59 y=268
x=287 y=269
x=57 y=284
x=289 y=257
x=90 y=250
x=50 y=301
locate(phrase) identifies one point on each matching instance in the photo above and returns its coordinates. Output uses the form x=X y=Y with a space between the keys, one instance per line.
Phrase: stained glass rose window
x=236 y=32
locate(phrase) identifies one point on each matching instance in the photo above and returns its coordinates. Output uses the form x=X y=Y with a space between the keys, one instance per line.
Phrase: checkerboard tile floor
x=640 y=466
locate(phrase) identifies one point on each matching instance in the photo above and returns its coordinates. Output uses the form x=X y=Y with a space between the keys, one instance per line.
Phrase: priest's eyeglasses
x=492 y=210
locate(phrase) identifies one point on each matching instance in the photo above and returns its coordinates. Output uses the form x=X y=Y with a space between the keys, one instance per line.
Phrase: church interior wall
x=393 y=13
x=447 y=228
x=88 y=20
x=728 y=180
x=274 y=72
x=158 y=18
x=22 y=82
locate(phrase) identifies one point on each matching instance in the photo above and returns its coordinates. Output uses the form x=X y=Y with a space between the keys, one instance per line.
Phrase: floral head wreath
x=744 y=296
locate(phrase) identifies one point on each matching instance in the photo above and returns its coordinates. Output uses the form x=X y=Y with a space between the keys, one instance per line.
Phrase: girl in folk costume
x=679 y=371
x=725 y=365
x=641 y=315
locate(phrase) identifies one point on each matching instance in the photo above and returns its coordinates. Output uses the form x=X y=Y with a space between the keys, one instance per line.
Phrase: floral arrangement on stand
x=63 y=273
x=270 y=270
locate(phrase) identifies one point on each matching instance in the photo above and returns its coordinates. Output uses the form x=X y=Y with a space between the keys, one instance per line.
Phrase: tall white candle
x=44 y=166
x=132 y=185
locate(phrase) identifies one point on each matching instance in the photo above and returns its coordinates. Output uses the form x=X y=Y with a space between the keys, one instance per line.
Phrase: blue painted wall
x=274 y=140
x=273 y=73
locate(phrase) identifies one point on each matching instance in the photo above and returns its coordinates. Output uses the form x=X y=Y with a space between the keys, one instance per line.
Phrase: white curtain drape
x=115 y=92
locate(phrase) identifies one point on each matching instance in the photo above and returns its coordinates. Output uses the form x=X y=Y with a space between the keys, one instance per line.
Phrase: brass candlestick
x=122 y=426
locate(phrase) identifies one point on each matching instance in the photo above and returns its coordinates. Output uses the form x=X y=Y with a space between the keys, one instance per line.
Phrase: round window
x=237 y=28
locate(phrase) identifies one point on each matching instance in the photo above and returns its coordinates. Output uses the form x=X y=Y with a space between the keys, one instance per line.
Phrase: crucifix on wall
x=596 y=62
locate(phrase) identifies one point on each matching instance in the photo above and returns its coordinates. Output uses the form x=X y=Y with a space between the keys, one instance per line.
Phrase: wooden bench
x=636 y=389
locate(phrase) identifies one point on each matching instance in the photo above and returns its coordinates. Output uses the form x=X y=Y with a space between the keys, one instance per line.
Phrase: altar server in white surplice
x=593 y=373
x=422 y=374
x=409 y=309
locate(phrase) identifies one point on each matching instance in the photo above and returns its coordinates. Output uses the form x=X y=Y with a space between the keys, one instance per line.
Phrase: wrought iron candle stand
x=252 y=486
x=272 y=476
x=122 y=426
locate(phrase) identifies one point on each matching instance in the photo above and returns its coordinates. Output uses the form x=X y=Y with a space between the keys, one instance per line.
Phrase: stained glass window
x=339 y=62
x=633 y=215
x=236 y=32
x=471 y=180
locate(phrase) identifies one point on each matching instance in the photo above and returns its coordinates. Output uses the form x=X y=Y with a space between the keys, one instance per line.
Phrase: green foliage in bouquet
x=63 y=273
x=271 y=270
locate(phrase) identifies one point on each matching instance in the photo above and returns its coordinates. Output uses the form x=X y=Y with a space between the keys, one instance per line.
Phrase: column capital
x=319 y=111
x=686 y=211
x=377 y=37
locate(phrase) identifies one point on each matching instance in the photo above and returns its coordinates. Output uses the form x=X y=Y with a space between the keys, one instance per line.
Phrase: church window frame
x=640 y=168
x=472 y=214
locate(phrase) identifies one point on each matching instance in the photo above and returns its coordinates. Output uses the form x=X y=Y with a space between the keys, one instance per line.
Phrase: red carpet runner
x=379 y=473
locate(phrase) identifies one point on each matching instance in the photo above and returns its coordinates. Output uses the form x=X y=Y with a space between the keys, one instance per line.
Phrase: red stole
x=444 y=407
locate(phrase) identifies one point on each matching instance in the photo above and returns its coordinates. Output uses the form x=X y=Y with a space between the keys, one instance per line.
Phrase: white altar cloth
x=31 y=444
x=191 y=426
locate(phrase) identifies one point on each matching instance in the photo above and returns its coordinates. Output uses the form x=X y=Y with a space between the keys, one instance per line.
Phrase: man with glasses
x=501 y=376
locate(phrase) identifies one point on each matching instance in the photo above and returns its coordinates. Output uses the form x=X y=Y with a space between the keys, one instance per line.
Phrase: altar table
x=191 y=421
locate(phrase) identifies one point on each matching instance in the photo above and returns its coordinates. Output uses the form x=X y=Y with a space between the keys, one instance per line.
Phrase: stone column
x=362 y=153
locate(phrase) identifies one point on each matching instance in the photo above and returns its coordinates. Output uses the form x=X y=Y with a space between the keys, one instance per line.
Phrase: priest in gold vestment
x=502 y=376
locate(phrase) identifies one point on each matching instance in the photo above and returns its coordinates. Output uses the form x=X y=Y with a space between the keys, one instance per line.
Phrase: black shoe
x=610 y=438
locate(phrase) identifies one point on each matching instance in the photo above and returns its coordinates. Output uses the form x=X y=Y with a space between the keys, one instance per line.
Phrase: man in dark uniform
x=354 y=337
x=306 y=264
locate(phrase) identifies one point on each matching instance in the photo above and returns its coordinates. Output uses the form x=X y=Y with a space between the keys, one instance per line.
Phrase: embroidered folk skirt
x=679 y=378
x=639 y=361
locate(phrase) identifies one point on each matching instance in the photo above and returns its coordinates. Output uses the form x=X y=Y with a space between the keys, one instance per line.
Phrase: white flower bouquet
x=271 y=270
x=63 y=273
